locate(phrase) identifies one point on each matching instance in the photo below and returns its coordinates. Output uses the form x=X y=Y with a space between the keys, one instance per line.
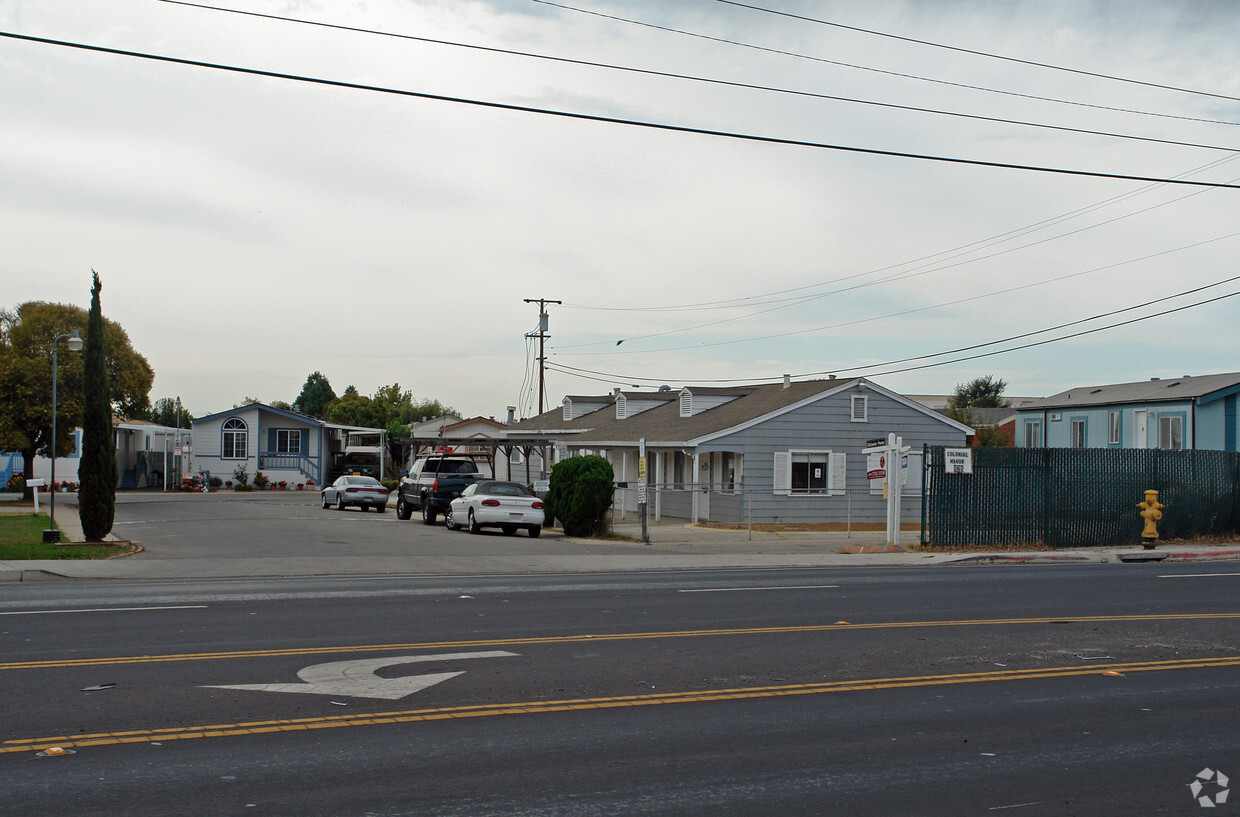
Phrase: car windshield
x=506 y=489
x=457 y=467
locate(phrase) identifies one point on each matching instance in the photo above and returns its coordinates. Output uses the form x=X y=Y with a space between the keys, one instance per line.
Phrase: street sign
x=958 y=460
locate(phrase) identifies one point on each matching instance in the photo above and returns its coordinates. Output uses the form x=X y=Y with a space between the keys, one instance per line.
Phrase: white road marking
x=1195 y=575
x=357 y=679
x=745 y=589
x=102 y=610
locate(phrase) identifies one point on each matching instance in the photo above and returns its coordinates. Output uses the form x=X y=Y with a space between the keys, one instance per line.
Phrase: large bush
x=580 y=494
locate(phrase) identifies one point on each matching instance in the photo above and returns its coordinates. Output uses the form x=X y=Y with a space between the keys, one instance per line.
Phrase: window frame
x=1175 y=428
x=1033 y=434
x=865 y=408
x=834 y=476
x=1080 y=440
x=1116 y=428
x=237 y=432
x=285 y=447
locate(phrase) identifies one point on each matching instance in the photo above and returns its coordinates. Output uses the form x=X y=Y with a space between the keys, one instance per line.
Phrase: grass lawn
x=21 y=537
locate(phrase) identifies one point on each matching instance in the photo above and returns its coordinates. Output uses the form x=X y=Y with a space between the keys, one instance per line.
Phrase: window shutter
x=836 y=474
x=305 y=442
x=781 y=477
x=271 y=439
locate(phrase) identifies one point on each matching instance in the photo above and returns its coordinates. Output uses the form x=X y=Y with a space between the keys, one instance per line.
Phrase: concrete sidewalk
x=691 y=548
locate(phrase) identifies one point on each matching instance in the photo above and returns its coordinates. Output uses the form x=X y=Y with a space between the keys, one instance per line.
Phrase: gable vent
x=622 y=407
x=686 y=403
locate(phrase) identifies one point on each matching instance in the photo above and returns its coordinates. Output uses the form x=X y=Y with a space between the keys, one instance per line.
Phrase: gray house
x=794 y=450
x=1171 y=413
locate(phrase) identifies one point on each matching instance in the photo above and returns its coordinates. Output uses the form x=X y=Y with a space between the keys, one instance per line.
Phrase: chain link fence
x=1078 y=497
x=700 y=512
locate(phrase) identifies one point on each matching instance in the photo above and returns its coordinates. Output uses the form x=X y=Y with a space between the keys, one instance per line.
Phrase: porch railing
x=289 y=462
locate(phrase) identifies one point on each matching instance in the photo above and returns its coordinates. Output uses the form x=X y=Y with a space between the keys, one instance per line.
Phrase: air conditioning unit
x=1055 y=417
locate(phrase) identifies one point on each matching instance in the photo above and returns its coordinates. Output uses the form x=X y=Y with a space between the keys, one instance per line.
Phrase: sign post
x=641 y=487
x=888 y=460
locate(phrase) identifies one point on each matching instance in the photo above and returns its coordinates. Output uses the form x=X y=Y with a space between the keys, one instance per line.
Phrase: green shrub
x=580 y=494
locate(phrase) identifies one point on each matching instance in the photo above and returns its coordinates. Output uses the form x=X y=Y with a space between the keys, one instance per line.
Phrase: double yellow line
x=577 y=704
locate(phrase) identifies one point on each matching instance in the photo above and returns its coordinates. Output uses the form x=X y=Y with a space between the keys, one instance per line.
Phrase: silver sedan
x=491 y=504
x=365 y=492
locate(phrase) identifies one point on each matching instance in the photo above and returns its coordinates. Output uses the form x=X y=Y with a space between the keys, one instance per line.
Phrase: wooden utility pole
x=541 y=334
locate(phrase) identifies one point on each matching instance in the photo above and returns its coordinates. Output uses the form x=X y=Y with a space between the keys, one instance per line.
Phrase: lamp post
x=75 y=345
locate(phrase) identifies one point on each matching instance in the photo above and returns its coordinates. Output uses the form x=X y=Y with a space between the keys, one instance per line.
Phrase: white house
x=284 y=445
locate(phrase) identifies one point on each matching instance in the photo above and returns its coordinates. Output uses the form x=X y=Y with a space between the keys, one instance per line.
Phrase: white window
x=801 y=473
x=1171 y=433
x=236 y=435
x=860 y=407
x=1033 y=434
x=288 y=441
x=1078 y=433
x=1115 y=428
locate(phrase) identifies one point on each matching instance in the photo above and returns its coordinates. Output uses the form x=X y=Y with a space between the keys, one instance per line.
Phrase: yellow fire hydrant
x=1151 y=512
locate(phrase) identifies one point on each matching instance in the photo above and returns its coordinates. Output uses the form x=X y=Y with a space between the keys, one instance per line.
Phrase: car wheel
x=340 y=502
x=448 y=521
x=474 y=527
x=381 y=508
x=534 y=531
x=428 y=513
x=403 y=511
x=508 y=530
x=325 y=502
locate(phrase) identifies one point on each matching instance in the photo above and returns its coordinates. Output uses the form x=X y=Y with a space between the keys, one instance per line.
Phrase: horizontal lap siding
x=825 y=425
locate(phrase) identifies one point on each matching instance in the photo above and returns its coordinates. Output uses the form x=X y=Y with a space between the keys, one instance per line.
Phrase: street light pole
x=75 y=345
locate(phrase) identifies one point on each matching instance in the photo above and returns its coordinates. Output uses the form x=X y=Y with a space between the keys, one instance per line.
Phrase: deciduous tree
x=26 y=336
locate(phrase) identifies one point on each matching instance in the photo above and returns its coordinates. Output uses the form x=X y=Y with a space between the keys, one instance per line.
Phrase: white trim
x=865 y=408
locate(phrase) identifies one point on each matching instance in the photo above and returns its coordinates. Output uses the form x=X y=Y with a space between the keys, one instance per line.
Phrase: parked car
x=365 y=492
x=433 y=481
x=490 y=504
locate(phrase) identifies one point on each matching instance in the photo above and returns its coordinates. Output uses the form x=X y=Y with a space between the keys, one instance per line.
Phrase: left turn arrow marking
x=357 y=679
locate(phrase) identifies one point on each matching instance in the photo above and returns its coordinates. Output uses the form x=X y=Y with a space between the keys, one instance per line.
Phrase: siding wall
x=826 y=425
x=1210 y=425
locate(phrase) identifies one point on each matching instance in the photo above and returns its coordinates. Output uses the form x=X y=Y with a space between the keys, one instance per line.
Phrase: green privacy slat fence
x=1077 y=497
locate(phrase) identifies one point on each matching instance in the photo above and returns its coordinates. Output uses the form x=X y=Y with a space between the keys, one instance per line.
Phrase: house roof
x=292 y=415
x=1200 y=388
x=663 y=424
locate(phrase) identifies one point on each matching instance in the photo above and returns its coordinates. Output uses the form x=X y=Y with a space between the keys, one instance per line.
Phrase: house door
x=1139 y=421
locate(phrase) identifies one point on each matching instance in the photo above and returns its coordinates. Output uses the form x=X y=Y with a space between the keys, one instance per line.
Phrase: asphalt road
x=1034 y=691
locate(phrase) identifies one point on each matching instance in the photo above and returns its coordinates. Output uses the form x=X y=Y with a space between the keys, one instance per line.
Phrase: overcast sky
x=250 y=230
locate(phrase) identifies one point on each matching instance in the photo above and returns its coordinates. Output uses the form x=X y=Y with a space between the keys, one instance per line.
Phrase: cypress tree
x=97 y=469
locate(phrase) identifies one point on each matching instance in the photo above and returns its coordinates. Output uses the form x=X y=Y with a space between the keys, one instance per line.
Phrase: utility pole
x=541 y=334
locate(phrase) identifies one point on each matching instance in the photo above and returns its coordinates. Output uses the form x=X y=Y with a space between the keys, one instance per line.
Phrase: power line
x=951 y=254
x=902 y=276
x=611 y=377
x=986 y=54
x=748 y=137
x=722 y=82
x=902 y=75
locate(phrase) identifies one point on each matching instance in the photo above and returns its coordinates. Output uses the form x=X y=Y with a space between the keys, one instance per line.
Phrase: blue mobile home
x=1170 y=413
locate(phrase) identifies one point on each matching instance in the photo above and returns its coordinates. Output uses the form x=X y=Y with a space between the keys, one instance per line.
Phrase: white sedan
x=490 y=504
